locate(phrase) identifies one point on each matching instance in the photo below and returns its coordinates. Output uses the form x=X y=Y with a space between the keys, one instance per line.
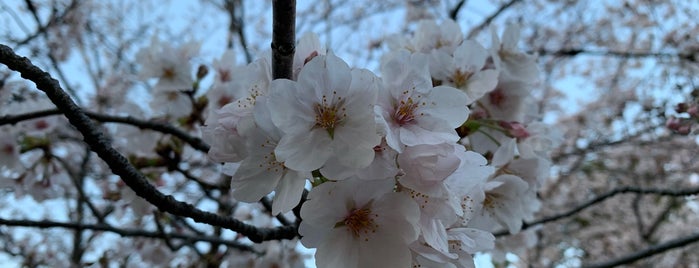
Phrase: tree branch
x=490 y=19
x=195 y=142
x=454 y=12
x=572 y=52
x=120 y=165
x=125 y=232
x=605 y=196
x=43 y=28
x=54 y=61
x=283 y=38
x=647 y=252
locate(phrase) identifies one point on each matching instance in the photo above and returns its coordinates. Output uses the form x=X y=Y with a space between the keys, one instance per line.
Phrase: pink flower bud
x=515 y=129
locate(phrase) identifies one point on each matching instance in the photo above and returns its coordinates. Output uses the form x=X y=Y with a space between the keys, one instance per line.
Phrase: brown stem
x=283 y=38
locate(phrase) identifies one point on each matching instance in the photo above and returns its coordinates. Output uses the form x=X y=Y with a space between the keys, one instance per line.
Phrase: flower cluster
x=416 y=167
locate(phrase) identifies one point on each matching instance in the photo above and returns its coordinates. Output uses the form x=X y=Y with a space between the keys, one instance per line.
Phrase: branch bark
x=283 y=38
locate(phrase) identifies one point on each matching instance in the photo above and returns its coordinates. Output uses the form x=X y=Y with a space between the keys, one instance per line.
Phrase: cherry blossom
x=508 y=58
x=415 y=112
x=503 y=203
x=328 y=111
x=464 y=70
x=368 y=228
x=260 y=172
x=429 y=36
x=169 y=64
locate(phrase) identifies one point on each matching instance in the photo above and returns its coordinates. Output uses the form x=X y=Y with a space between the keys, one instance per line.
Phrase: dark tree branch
x=573 y=52
x=672 y=204
x=605 y=196
x=195 y=142
x=631 y=139
x=268 y=206
x=648 y=252
x=490 y=19
x=120 y=165
x=454 y=12
x=166 y=237
x=283 y=38
x=636 y=208
x=126 y=232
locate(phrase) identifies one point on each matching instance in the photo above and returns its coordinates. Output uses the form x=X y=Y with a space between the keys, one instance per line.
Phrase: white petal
x=305 y=151
x=341 y=251
x=250 y=182
x=450 y=104
x=287 y=112
x=470 y=55
x=288 y=193
x=481 y=83
x=505 y=153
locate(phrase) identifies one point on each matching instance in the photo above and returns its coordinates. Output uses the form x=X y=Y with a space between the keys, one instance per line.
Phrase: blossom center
x=169 y=73
x=491 y=200
x=224 y=75
x=8 y=149
x=223 y=100
x=330 y=114
x=271 y=164
x=405 y=111
x=41 y=124
x=459 y=78
x=455 y=246
x=497 y=97
x=360 y=221
x=172 y=95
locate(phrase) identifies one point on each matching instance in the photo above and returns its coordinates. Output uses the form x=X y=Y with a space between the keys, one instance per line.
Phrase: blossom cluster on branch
x=416 y=166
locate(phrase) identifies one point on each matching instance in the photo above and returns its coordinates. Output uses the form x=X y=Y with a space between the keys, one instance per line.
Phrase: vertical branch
x=77 y=253
x=236 y=14
x=283 y=38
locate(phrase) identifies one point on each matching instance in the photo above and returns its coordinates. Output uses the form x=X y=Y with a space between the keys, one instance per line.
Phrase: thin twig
x=195 y=142
x=125 y=232
x=648 y=252
x=573 y=52
x=490 y=18
x=454 y=13
x=605 y=196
